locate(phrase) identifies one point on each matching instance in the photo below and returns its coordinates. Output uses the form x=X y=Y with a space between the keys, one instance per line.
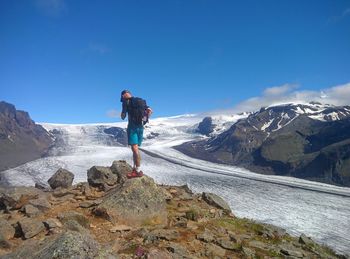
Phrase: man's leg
x=136 y=155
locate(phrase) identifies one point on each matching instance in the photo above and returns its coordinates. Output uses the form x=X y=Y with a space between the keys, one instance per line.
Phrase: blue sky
x=67 y=61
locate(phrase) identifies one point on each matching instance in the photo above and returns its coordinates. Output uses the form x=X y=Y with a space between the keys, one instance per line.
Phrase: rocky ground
x=111 y=216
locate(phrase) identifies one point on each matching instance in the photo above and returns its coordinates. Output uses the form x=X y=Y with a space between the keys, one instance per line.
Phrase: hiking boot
x=134 y=174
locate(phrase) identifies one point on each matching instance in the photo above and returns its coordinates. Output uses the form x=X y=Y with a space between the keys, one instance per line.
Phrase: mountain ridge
x=21 y=140
x=300 y=140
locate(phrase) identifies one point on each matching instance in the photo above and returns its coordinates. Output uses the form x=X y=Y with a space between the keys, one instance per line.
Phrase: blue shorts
x=135 y=135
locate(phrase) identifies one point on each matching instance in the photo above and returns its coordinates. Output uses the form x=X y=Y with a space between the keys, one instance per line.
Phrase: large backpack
x=137 y=108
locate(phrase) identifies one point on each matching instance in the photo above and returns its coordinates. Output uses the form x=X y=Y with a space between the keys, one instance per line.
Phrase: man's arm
x=124 y=111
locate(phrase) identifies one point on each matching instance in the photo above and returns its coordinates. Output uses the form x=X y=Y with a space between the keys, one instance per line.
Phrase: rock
x=75 y=226
x=16 y=197
x=86 y=190
x=62 y=178
x=30 y=227
x=290 y=250
x=30 y=210
x=101 y=177
x=212 y=250
x=180 y=222
x=271 y=231
x=41 y=186
x=173 y=191
x=120 y=228
x=52 y=223
x=228 y=244
x=4 y=243
x=6 y=230
x=259 y=245
x=214 y=200
x=159 y=234
x=41 y=203
x=66 y=245
x=249 y=253
x=177 y=249
x=61 y=192
x=303 y=239
x=138 y=201
x=206 y=236
x=155 y=253
x=75 y=216
x=87 y=204
x=80 y=198
x=121 y=168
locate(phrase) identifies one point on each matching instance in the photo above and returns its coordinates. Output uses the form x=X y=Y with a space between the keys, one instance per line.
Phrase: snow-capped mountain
x=273 y=118
x=309 y=141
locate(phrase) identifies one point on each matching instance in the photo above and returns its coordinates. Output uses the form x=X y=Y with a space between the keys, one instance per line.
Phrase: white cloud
x=113 y=113
x=287 y=93
x=336 y=95
x=53 y=8
x=279 y=90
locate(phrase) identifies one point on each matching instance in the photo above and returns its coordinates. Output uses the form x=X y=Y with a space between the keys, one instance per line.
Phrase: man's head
x=124 y=95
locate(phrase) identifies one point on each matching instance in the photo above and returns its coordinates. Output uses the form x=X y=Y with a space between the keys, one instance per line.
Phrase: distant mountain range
x=310 y=141
x=21 y=140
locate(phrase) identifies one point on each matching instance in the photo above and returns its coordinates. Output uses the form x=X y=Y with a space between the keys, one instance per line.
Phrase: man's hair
x=122 y=93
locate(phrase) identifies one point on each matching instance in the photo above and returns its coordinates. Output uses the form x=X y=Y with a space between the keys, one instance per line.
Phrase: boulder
x=303 y=239
x=290 y=250
x=6 y=230
x=30 y=227
x=214 y=200
x=41 y=203
x=74 y=216
x=30 y=210
x=101 y=177
x=138 y=201
x=70 y=244
x=121 y=168
x=62 y=178
x=16 y=197
x=206 y=236
x=52 y=223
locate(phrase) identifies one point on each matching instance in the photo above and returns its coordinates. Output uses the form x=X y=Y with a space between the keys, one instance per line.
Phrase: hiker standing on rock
x=138 y=114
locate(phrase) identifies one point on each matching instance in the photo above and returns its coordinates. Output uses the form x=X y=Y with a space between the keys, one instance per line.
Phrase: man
x=138 y=114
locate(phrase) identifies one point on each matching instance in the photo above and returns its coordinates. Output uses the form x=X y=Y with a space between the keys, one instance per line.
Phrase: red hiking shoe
x=134 y=174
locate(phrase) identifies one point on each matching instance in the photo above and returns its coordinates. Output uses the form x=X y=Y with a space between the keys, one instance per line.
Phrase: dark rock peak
x=206 y=126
